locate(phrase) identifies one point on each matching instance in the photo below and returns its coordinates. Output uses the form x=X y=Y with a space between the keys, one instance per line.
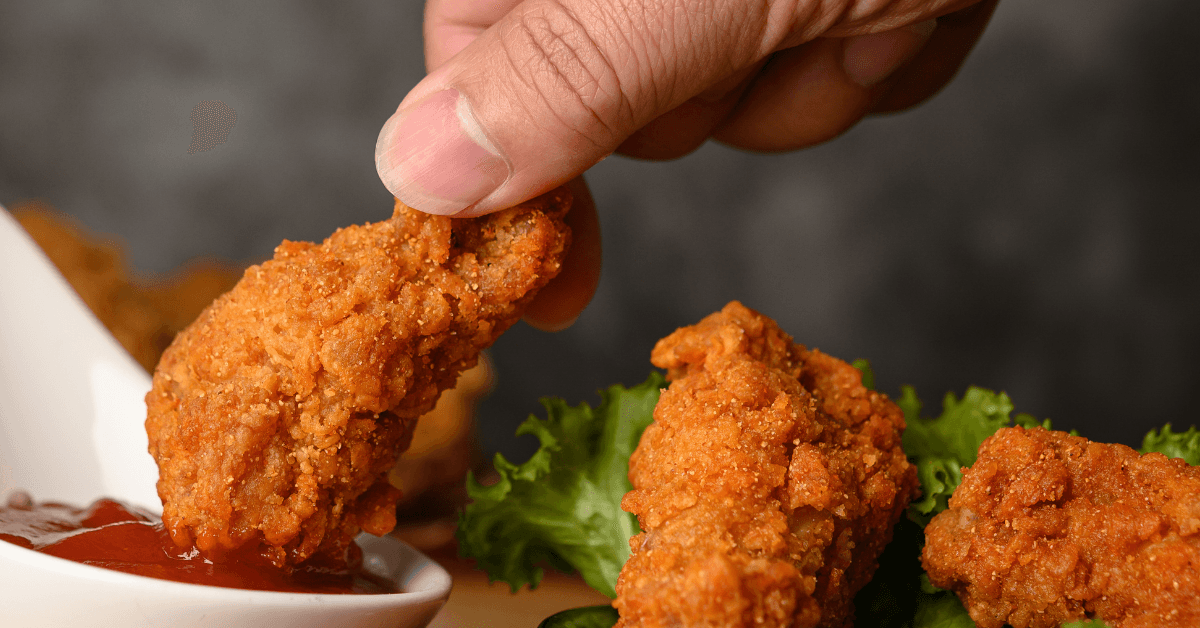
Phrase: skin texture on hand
x=525 y=95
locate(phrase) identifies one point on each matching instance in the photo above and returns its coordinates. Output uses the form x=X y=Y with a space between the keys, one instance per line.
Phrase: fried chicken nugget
x=1048 y=528
x=766 y=487
x=277 y=414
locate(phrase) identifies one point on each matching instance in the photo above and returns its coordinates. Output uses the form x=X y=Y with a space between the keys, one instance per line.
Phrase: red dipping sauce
x=114 y=535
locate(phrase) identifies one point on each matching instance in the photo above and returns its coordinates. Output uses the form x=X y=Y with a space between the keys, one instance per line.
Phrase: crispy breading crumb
x=766 y=487
x=1048 y=528
x=277 y=414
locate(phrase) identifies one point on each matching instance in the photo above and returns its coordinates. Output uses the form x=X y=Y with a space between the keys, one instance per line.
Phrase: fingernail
x=868 y=59
x=435 y=157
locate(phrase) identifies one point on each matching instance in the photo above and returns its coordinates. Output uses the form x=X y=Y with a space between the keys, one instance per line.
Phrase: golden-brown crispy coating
x=1048 y=528
x=277 y=414
x=766 y=487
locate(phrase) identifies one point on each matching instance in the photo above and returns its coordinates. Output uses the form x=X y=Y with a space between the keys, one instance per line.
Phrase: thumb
x=553 y=88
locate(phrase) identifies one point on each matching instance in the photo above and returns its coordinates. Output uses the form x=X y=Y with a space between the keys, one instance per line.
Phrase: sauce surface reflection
x=117 y=536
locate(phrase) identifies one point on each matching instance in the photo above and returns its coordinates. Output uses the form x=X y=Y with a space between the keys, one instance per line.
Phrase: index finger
x=452 y=24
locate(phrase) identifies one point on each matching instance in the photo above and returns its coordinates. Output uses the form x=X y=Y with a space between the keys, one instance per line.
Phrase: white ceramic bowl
x=71 y=414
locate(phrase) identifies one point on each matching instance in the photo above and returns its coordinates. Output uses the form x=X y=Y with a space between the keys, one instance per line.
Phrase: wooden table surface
x=476 y=604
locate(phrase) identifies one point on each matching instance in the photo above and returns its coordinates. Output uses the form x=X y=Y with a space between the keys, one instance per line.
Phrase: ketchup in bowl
x=117 y=536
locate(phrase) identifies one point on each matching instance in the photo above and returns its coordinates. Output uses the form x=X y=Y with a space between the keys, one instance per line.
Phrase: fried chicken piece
x=1048 y=528
x=766 y=487
x=276 y=415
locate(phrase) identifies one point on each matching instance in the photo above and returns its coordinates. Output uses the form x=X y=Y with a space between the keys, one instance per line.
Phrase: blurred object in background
x=181 y=296
x=144 y=316
x=431 y=472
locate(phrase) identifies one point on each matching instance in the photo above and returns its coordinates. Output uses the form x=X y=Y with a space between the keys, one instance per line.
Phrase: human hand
x=523 y=96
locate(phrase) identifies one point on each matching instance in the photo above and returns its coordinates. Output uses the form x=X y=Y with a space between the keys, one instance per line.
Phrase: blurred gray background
x=1033 y=228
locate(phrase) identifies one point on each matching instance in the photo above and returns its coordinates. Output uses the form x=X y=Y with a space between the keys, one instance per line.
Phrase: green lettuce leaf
x=944 y=610
x=1184 y=445
x=942 y=446
x=585 y=617
x=900 y=596
x=941 y=610
x=868 y=374
x=562 y=507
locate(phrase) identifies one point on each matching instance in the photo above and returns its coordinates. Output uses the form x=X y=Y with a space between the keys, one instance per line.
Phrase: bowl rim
x=431 y=586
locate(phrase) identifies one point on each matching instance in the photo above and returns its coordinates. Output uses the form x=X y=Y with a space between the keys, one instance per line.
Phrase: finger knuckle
x=565 y=66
